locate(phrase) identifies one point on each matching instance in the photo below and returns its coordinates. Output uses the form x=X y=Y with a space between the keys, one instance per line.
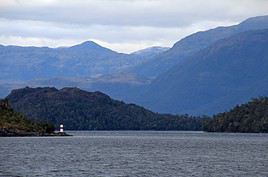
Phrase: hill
x=250 y=117
x=229 y=72
x=81 y=110
x=15 y=124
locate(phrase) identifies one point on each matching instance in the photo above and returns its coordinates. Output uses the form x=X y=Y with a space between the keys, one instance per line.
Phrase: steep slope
x=229 y=72
x=194 y=43
x=81 y=110
x=250 y=117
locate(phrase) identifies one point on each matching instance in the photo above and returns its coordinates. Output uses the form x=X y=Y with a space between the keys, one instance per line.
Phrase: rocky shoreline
x=18 y=133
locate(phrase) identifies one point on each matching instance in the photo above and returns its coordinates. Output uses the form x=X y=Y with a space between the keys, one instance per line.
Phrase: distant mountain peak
x=91 y=46
x=87 y=44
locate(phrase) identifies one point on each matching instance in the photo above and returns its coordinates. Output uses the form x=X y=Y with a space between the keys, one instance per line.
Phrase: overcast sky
x=122 y=25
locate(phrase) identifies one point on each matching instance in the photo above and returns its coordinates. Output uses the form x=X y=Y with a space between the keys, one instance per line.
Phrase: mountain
x=250 y=117
x=87 y=59
x=29 y=63
x=153 y=66
x=92 y=48
x=86 y=62
x=191 y=44
x=15 y=124
x=123 y=76
x=229 y=72
x=81 y=110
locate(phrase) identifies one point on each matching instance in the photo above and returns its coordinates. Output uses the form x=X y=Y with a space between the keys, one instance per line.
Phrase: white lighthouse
x=61 y=128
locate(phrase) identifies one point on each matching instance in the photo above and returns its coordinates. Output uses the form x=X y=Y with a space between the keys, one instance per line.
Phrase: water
x=136 y=153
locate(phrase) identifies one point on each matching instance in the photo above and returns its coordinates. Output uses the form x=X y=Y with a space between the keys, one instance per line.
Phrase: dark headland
x=15 y=124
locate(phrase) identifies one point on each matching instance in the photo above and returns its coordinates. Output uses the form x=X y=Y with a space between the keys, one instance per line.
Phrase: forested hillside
x=249 y=117
x=81 y=110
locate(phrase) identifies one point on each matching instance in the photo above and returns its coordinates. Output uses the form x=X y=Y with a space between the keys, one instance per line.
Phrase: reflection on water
x=136 y=153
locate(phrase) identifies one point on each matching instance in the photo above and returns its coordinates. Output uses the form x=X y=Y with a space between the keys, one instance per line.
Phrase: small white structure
x=61 y=128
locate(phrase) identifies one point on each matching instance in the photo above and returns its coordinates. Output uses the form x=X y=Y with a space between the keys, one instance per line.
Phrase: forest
x=249 y=117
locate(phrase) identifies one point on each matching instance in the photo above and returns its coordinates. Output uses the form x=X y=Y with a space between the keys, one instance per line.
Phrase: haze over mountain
x=229 y=72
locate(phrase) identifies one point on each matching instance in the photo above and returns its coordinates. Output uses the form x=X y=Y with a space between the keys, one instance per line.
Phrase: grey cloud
x=165 y=13
x=26 y=28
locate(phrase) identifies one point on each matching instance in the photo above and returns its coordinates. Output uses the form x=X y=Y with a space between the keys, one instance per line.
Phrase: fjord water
x=136 y=153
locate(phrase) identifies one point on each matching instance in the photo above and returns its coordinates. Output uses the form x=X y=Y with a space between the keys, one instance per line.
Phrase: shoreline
x=10 y=133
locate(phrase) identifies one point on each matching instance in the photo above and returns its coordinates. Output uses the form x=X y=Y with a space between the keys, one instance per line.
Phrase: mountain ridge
x=227 y=73
x=192 y=43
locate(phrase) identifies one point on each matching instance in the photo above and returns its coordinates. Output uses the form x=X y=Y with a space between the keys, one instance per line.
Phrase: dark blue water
x=136 y=153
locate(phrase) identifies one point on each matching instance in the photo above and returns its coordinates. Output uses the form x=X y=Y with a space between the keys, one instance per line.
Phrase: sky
x=121 y=25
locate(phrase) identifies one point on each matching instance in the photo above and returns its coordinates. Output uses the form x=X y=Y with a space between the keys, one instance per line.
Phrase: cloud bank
x=122 y=25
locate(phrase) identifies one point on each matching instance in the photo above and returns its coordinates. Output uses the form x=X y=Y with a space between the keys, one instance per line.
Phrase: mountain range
x=85 y=65
x=193 y=43
x=204 y=73
x=87 y=59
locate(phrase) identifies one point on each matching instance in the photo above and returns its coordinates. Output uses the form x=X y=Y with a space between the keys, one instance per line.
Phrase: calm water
x=132 y=153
